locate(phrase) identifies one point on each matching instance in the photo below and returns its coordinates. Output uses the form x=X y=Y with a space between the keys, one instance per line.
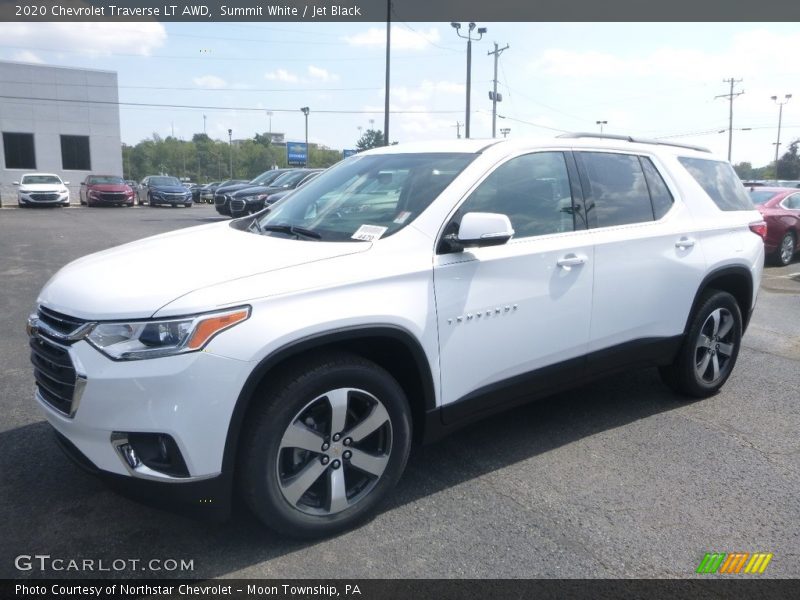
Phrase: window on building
x=75 y=153
x=19 y=150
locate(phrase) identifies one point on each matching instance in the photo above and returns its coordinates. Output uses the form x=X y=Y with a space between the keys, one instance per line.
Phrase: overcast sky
x=654 y=80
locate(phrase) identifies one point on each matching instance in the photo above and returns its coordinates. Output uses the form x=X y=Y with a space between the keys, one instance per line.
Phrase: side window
x=615 y=189
x=793 y=202
x=532 y=190
x=719 y=181
x=659 y=192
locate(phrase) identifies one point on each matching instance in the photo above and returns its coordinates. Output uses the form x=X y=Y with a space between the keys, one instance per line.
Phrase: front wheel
x=710 y=348
x=325 y=446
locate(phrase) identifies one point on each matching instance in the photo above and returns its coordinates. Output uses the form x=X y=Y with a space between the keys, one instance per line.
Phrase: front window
x=40 y=179
x=162 y=181
x=364 y=197
x=105 y=180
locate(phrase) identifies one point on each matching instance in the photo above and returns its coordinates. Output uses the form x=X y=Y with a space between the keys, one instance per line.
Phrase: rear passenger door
x=647 y=261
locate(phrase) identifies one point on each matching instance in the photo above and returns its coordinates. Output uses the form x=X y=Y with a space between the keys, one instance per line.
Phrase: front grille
x=220 y=199
x=52 y=366
x=44 y=197
x=113 y=197
x=54 y=374
x=60 y=322
x=237 y=204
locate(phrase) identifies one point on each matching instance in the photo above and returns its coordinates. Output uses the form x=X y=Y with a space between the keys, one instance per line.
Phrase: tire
x=189 y=205
x=297 y=475
x=785 y=252
x=709 y=350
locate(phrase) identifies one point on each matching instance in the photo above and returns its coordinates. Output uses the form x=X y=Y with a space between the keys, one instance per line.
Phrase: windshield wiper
x=291 y=229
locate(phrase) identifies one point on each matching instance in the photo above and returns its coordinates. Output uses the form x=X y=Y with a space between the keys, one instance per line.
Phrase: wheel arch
x=393 y=348
x=737 y=280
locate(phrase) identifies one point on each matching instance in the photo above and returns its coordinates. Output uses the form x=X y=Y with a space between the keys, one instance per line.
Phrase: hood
x=232 y=188
x=169 y=189
x=249 y=191
x=108 y=187
x=134 y=280
x=43 y=187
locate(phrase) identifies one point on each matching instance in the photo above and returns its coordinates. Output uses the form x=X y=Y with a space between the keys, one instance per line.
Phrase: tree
x=372 y=138
x=744 y=170
x=789 y=163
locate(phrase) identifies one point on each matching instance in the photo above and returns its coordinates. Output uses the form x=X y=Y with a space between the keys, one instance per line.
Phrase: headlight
x=136 y=340
x=24 y=190
x=93 y=194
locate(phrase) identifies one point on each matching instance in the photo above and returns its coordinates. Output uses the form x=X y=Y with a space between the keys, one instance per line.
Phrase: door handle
x=570 y=260
x=685 y=243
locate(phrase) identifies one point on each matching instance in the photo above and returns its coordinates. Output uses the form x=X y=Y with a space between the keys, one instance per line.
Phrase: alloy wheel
x=334 y=451
x=715 y=346
x=787 y=249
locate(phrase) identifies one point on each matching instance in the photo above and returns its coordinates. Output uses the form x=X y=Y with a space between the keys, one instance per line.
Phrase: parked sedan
x=223 y=195
x=42 y=189
x=252 y=200
x=780 y=208
x=106 y=190
x=159 y=189
x=207 y=192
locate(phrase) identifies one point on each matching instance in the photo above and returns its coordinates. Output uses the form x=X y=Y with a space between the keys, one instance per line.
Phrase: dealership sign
x=296 y=153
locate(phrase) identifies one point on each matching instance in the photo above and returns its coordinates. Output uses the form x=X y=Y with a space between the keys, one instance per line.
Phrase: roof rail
x=630 y=138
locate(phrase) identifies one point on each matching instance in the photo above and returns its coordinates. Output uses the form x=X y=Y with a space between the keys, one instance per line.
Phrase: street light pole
x=306 y=110
x=230 y=153
x=468 y=37
x=269 y=114
x=780 y=117
x=505 y=131
x=601 y=123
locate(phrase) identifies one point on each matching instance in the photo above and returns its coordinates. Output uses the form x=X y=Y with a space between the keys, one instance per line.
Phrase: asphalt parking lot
x=616 y=479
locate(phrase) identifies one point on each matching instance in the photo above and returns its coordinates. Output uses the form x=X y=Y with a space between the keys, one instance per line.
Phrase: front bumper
x=188 y=397
x=171 y=201
x=208 y=498
x=31 y=199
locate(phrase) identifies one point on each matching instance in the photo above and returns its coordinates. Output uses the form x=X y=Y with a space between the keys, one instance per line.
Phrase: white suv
x=404 y=292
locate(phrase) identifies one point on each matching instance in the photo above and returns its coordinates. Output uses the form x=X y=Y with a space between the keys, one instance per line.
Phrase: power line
x=242 y=108
x=196 y=89
x=533 y=124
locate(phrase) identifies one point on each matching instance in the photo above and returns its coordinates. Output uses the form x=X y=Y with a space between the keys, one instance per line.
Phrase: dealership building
x=57 y=120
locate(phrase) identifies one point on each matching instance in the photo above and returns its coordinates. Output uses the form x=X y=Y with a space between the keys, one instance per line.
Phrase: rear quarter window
x=719 y=181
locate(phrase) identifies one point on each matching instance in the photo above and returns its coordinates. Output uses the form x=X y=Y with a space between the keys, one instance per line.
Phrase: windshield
x=364 y=197
x=164 y=181
x=34 y=179
x=266 y=178
x=105 y=179
x=761 y=196
x=289 y=179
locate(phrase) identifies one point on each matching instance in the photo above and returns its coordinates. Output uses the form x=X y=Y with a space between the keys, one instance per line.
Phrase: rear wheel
x=709 y=351
x=325 y=446
x=783 y=256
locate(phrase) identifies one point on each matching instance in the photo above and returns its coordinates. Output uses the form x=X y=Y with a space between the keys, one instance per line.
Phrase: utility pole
x=230 y=152
x=494 y=96
x=204 y=123
x=388 y=53
x=730 y=96
x=787 y=97
x=305 y=111
x=458 y=129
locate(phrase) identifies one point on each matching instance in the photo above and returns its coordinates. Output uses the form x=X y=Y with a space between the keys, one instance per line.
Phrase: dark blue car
x=156 y=190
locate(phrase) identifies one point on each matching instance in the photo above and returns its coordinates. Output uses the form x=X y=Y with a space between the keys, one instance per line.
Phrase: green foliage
x=372 y=138
x=789 y=163
x=202 y=159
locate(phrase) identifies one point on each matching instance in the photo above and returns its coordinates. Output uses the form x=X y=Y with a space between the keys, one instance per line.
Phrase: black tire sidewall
x=263 y=440
x=711 y=302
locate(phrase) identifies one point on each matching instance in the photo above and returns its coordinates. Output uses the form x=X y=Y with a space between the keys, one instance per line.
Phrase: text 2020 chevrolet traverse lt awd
x=402 y=293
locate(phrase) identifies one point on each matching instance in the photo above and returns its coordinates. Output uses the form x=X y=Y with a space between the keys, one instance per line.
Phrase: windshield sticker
x=402 y=217
x=369 y=233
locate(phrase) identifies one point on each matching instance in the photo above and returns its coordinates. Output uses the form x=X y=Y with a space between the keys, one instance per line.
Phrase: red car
x=106 y=189
x=781 y=210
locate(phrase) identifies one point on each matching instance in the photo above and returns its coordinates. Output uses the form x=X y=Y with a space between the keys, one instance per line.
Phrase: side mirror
x=82 y=183
x=16 y=183
x=66 y=183
x=484 y=229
